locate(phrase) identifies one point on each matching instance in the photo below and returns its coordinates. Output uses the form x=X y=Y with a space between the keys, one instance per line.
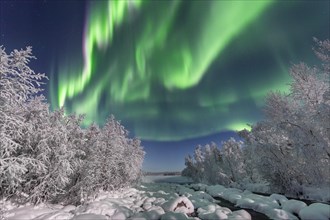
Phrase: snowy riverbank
x=165 y=201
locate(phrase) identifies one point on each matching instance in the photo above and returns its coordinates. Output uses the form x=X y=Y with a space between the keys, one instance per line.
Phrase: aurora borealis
x=168 y=70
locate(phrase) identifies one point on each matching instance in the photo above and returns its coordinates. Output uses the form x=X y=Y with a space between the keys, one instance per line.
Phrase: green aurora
x=172 y=70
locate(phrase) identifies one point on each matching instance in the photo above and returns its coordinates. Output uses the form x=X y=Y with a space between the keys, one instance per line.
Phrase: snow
x=294 y=206
x=213 y=211
x=27 y=212
x=280 y=214
x=318 y=211
x=268 y=205
x=257 y=187
x=318 y=194
x=180 y=204
x=89 y=217
x=175 y=216
x=240 y=215
x=170 y=201
x=280 y=199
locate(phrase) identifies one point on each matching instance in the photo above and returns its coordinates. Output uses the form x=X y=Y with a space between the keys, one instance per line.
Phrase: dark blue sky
x=175 y=73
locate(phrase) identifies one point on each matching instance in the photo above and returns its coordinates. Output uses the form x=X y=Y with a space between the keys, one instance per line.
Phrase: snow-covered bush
x=112 y=160
x=293 y=142
x=190 y=170
x=18 y=84
x=47 y=156
x=216 y=166
x=233 y=162
x=59 y=150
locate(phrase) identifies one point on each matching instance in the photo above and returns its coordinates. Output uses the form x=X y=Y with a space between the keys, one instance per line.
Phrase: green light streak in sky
x=187 y=62
x=103 y=20
x=224 y=21
x=162 y=56
x=238 y=126
x=166 y=67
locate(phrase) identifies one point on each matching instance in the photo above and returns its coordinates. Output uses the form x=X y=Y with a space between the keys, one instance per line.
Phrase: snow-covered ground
x=166 y=201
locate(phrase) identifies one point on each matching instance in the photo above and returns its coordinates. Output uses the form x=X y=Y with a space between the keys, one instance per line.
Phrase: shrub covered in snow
x=292 y=143
x=47 y=156
x=213 y=165
x=112 y=160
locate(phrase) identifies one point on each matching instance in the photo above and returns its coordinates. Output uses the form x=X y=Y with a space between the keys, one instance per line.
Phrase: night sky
x=175 y=73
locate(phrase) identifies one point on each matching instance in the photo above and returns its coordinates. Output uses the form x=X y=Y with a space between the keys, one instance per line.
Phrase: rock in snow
x=181 y=204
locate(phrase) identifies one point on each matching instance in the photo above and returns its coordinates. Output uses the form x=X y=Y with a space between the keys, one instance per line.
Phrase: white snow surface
x=293 y=206
x=169 y=201
x=318 y=211
x=275 y=206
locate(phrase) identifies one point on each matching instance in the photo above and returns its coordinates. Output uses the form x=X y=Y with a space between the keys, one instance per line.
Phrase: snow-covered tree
x=199 y=163
x=210 y=165
x=232 y=159
x=213 y=164
x=190 y=170
x=47 y=156
x=18 y=84
x=61 y=155
x=112 y=160
x=293 y=142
